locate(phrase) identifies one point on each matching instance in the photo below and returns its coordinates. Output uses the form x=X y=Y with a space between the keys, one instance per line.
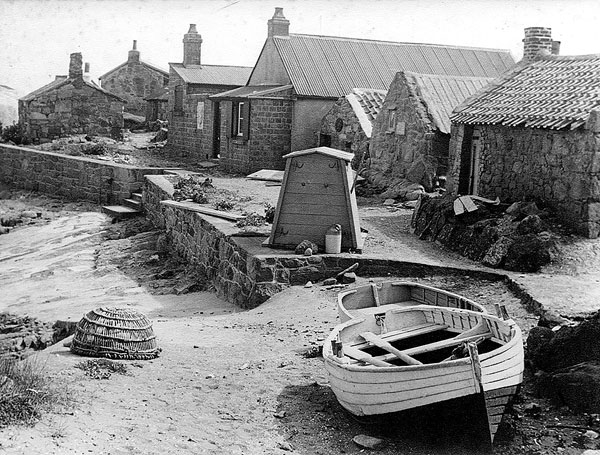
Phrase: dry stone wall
x=70 y=176
x=559 y=169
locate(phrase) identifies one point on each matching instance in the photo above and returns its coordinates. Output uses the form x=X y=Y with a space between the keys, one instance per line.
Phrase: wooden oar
x=372 y=338
x=357 y=354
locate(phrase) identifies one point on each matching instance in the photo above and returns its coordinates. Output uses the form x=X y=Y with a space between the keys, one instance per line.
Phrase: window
x=178 y=99
x=240 y=119
x=324 y=140
x=391 y=121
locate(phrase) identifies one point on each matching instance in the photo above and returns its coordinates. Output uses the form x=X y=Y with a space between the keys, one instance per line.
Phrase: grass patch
x=25 y=392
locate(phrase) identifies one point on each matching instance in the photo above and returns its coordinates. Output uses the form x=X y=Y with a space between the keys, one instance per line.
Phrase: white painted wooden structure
x=317 y=192
x=368 y=379
x=377 y=298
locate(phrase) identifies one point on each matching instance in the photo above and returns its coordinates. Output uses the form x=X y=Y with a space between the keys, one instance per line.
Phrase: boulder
x=577 y=387
x=528 y=253
x=531 y=224
x=496 y=254
x=521 y=209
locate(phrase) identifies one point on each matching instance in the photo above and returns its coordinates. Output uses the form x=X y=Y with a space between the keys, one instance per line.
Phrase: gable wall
x=351 y=138
x=134 y=82
x=410 y=148
x=560 y=169
x=269 y=69
x=73 y=108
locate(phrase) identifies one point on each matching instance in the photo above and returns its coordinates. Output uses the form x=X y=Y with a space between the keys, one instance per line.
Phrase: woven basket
x=116 y=333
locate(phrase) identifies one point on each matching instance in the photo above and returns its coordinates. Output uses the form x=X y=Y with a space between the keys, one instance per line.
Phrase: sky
x=37 y=36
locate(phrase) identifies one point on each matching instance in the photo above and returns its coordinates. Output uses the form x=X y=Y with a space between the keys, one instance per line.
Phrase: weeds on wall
x=14 y=134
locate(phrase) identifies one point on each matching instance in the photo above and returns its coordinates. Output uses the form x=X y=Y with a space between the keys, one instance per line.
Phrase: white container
x=333 y=239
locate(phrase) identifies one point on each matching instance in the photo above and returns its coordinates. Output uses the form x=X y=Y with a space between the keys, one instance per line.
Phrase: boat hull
x=370 y=390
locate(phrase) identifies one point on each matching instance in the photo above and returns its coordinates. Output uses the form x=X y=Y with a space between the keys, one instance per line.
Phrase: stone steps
x=130 y=208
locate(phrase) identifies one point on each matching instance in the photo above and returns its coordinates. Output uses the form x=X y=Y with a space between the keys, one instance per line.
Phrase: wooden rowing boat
x=420 y=355
x=377 y=298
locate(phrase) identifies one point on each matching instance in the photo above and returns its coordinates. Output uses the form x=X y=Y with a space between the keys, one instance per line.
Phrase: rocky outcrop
x=566 y=361
x=512 y=238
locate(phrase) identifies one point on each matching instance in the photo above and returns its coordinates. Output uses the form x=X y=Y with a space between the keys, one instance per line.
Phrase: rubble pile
x=514 y=237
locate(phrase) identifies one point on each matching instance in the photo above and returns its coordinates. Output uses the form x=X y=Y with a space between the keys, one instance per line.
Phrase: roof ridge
x=205 y=64
x=406 y=43
x=446 y=76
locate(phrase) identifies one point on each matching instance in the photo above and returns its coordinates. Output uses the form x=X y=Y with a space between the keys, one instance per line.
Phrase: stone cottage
x=349 y=123
x=71 y=104
x=533 y=135
x=194 y=120
x=298 y=78
x=411 y=134
x=134 y=80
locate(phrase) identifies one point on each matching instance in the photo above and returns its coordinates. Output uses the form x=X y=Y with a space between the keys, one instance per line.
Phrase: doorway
x=216 y=129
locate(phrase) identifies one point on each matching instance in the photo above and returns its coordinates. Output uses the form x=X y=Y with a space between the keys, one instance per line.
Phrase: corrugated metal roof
x=441 y=94
x=250 y=91
x=366 y=104
x=212 y=74
x=330 y=67
x=553 y=92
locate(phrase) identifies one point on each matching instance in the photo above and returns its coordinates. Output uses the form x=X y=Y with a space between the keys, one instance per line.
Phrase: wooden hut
x=317 y=192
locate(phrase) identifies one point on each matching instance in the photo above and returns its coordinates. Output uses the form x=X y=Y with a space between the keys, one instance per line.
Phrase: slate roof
x=554 y=92
x=63 y=80
x=441 y=94
x=325 y=66
x=366 y=104
x=212 y=74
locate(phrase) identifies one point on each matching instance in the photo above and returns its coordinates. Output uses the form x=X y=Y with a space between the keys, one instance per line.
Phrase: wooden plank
x=404 y=334
x=292 y=199
x=323 y=218
x=352 y=207
x=314 y=189
x=375 y=294
x=432 y=347
x=357 y=354
x=280 y=201
x=374 y=339
x=193 y=207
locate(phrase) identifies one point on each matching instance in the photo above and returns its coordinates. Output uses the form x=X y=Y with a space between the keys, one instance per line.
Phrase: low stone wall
x=72 y=177
x=241 y=269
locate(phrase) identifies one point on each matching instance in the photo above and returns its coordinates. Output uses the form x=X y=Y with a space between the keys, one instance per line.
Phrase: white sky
x=37 y=36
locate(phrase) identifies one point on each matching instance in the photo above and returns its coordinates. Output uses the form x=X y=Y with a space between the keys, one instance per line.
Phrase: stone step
x=119 y=212
x=132 y=203
x=136 y=196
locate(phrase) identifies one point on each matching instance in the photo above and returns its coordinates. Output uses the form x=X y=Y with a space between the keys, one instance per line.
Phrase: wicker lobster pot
x=116 y=333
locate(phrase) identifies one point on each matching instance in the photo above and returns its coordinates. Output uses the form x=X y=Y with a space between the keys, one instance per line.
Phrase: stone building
x=533 y=135
x=349 y=123
x=71 y=104
x=411 y=134
x=193 y=117
x=134 y=80
x=298 y=78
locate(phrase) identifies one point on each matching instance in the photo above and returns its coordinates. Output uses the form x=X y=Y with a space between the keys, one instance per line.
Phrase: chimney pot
x=192 y=47
x=133 y=55
x=555 y=47
x=278 y=25
x=75 y=66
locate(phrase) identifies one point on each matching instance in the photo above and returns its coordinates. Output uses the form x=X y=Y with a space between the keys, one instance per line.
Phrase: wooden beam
x=374 y=339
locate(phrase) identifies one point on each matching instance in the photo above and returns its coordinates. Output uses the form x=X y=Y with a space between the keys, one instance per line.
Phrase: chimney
x=555 y=47
x=134 y=54
x=86 y=72
x=192 y=45
x=75 y=66
x=537 y=42
x=278 y=25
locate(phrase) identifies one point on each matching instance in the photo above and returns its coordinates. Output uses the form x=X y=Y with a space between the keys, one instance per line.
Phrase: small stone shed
x=71 y=105
x=134 y=80
x=194 y=120
x=533 y=135
x=349 y=123
x=317 y=192
x=411 y=134
x=157 y=105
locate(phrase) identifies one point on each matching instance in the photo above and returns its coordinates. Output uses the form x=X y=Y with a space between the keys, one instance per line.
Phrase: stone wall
x=351 y=138
x=405 y=144
x=558 y=169
x=70 y=176
x=75 y=107
x=269 y=138
x=184 y=135
x=134 y=81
